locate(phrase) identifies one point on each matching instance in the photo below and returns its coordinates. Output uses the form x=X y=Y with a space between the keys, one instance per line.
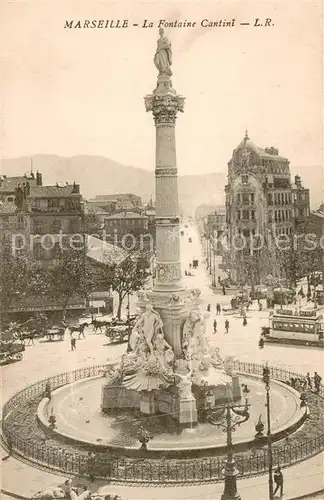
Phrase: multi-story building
x=300 y=210
x=260 y=197
x=8 y=185
x=55 y=212
x=113 y=203
x=130 y=230
x=214 y=228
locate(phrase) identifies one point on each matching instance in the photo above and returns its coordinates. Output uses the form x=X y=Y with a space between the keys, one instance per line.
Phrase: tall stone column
x=165 y=103
x=168 y=291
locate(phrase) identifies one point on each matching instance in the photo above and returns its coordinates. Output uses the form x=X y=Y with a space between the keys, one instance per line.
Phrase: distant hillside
x=100 y=175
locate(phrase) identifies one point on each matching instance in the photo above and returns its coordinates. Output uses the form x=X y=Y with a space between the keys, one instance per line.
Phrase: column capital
x=164 y=107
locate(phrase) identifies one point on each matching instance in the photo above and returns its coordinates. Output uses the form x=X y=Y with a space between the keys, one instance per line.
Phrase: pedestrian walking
x=244 y=321
x=73 y=342
x=261 y=343
x=278 y=479
x=309 y=381
x=224 y=291
x=226 y=326
x=218 y=308
x=208 y=308
x=68 y=489
x=317 y=382
x=260 y=306
x=215 y=326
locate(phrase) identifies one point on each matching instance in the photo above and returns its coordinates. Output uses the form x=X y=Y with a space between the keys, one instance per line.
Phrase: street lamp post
x=266 y=379
x=207 y=251
x=214 y=269
x=228 y=424
x=210 y=255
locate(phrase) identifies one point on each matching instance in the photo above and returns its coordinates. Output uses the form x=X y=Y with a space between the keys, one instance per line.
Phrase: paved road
x=48 y=358
x=242 y=342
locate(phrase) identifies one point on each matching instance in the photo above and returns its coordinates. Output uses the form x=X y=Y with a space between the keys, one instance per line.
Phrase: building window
x=238 y=214
x=245 y=179
x=10 y=198
x=38 y=252
x=53 y=203
x=252 y=214
x=269 y=199
x=245 y=215
x=74 y=225
x=56 y=226
x=246 y=199
x=238 y=198
x=38 y=226
x=252 y=198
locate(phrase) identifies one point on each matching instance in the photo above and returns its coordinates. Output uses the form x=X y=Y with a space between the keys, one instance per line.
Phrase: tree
x=20 y=276
x=127 y=277
x=93 y=225
x=70 y=276
x=299 y=260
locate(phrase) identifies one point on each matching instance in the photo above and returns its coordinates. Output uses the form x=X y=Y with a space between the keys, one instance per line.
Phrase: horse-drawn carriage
x=11 y=350
x=118 y=331
x=118 y=334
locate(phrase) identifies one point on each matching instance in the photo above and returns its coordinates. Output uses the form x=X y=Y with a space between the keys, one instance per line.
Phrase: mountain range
x=101 y=175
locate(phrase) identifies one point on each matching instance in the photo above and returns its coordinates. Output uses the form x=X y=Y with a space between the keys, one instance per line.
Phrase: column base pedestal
x=187 y=413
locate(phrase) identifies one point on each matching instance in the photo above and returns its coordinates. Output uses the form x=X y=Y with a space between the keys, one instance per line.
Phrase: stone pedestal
x=147 y=403
x=236 y=387
x=187 y=412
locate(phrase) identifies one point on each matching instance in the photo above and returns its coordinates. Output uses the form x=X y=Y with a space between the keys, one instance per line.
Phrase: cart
x=118 y=334
x=55 y=333
x=11 y=351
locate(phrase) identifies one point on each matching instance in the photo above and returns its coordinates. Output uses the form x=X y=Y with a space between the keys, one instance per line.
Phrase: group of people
x=226 y=326
x=307 y=383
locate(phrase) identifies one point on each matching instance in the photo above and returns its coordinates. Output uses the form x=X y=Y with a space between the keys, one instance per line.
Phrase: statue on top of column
x=163 y=55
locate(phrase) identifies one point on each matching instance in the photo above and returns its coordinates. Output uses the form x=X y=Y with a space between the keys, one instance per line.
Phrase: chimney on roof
x=76 y=188
x=39 y=179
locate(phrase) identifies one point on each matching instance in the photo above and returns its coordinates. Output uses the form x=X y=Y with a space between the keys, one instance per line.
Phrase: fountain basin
x=79 y=420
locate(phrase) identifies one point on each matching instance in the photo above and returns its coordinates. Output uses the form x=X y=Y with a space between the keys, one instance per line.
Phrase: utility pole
x=266 y=379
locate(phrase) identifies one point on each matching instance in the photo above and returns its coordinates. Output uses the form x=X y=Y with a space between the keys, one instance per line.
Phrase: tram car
x=304 y=327
x=11 y=351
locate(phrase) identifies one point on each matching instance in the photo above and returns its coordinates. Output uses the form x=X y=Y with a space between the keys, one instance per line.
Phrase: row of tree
x=70 y=275
x=290 y=263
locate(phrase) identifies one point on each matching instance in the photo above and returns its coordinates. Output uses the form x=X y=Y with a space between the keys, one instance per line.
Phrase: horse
x=79 y=329
x=26 y=335
x=98 y=325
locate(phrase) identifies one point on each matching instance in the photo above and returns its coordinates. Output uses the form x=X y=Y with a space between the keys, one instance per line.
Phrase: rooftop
x=57 y=191
x=127 y=215
x=270 y=153
x=7 y=207
x=112 y=197
x=9 y=184
x=104 y=252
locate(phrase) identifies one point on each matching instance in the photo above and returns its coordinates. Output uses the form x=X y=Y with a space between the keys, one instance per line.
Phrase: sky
x=80 y=91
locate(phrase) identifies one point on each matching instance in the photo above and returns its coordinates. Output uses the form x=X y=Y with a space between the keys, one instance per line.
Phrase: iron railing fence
x=144 y=470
